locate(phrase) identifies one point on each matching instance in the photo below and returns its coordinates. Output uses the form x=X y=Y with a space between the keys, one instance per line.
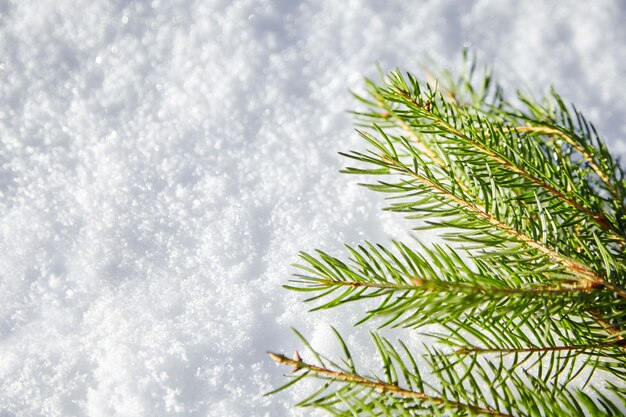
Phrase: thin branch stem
x=468 y=350
x=420 y=283
x=381 y=387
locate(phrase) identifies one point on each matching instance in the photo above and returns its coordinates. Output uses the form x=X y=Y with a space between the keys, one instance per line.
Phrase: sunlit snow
x=162 y=163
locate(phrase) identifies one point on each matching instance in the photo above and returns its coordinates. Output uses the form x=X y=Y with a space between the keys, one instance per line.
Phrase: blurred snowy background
x=162 y=163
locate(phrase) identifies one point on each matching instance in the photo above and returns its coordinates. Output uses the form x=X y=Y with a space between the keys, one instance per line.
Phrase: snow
x=161 y=165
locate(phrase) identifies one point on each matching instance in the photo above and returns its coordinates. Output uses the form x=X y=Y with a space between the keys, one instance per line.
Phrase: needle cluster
x=528 y=294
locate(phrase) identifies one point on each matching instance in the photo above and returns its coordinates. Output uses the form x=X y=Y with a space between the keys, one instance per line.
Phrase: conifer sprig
x=531 y=292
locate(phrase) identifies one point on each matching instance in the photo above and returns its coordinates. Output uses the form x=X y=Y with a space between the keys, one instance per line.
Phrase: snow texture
x=162 y=163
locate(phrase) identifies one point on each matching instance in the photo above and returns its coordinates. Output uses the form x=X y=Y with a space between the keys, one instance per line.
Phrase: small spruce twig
x=380 y=387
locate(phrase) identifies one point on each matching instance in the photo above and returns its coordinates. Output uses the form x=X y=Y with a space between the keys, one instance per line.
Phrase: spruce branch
x=468 y=390
x=597 y=217
x=379 y=386
x=529 y=296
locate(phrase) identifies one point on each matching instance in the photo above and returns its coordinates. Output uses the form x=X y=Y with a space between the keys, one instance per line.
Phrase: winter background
x=162 y=163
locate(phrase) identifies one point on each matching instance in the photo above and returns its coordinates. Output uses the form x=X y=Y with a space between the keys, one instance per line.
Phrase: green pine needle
x=530 y=293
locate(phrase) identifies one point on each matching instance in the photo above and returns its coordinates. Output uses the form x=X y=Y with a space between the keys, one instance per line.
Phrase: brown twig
x=381 y=387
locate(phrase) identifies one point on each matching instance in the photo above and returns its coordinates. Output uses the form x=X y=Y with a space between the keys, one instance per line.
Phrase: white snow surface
x=162 y=163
